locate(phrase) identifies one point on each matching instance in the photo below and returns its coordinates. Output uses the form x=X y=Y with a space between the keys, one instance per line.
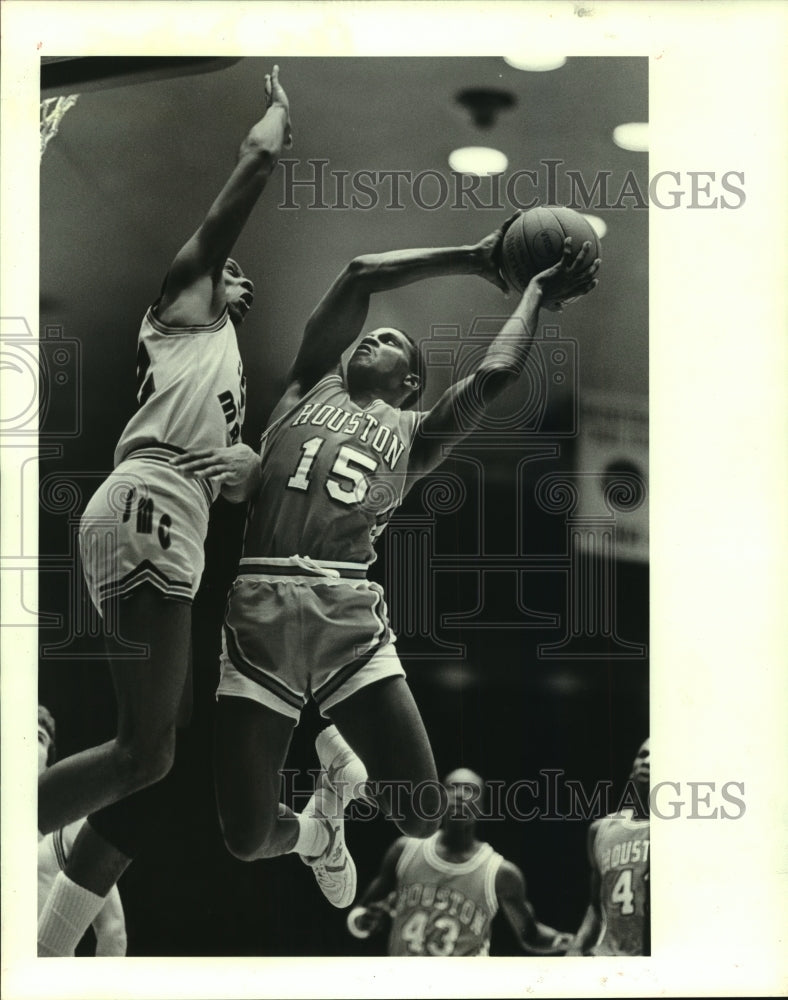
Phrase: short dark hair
x=47 y=723
x=418 y=367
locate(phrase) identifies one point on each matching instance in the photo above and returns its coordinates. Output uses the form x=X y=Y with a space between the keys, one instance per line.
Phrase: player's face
x=464 y=789
x=44 y=743
x=641 y=768
x=238 y=290
x=384 y=357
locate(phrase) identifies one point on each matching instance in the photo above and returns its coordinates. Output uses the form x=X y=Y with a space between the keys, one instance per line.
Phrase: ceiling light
x=479 y=160
x=484 y=104
x=598 y=225
x=535 y=63
x=632 y=136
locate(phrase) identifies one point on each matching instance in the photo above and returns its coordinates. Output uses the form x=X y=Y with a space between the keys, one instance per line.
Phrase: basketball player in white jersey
x=441 y=894
x=109 y=925
x=191 y=395
x=617 y=921
x=340 y=451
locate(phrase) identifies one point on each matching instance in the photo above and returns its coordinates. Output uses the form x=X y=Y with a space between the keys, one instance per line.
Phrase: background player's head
x=465 y=790
x=390 y=363
x=47 y=750
x=238 y=290
x=641 y=766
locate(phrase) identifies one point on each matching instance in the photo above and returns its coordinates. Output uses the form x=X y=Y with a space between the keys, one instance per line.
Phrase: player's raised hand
x=275 y=96
x=574 y=275
x=490 y=248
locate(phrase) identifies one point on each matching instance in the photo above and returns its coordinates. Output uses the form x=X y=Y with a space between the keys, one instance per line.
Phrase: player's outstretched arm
x=235 y=469
x=196 y=271
x=110 y=927
x=375 y=905
x=340 y=315
x=504 y=361
x=588 y=932
x=534 y=937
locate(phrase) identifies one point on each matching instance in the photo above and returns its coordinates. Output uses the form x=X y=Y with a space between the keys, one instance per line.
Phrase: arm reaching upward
x=194 y=289
x=340 y=315
x=504 y=360
x=534 y=937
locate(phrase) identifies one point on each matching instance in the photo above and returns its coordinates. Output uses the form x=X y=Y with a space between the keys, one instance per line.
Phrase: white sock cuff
x=68 y=912
x=312 y=837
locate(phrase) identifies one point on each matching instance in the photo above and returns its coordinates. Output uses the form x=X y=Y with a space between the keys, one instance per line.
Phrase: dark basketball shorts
x=146 y=523
x=298 y=627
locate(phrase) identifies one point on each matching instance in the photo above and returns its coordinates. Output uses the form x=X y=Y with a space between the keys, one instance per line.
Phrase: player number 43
x=347 y=481
x=440 y=939
x=622 y=893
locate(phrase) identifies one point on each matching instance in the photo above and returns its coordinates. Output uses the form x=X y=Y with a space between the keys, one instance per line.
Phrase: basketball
x=535 y=241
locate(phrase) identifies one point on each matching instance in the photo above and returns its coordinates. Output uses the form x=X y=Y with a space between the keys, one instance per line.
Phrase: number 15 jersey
x=332 y=476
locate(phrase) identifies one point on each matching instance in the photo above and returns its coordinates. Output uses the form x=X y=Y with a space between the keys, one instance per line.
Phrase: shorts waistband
x=162 y=453
x=301 y=566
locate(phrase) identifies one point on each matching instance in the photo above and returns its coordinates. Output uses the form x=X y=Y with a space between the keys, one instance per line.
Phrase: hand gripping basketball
x=535 y=240
x=574 y=275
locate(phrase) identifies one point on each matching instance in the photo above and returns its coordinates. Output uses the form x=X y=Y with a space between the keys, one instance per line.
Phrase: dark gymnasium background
x=483 y=571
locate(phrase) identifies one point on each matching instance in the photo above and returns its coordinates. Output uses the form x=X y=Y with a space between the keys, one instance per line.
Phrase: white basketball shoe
x=341 y=781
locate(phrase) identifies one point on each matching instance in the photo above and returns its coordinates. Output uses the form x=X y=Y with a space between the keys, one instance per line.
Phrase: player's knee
x=144 y=763
x=247 y=842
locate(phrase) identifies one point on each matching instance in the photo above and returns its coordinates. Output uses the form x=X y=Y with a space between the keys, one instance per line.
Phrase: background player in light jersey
x=339 y=453
x=109 y=925
x=440 y=895
x=617 y=921
x=191 y=395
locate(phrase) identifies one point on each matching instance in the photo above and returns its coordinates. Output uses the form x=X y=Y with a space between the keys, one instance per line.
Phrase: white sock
x=67 y=914
x=312 y=836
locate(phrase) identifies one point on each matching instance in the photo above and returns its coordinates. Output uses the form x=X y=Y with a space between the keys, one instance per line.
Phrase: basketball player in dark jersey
x=617 y=921
x=440 y=894
x=340 y=451
x=191 y=395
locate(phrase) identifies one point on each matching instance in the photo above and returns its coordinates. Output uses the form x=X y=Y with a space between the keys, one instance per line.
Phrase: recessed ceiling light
x=479 y=160
x=632 y=136
x=598 y=225
x=535 y=63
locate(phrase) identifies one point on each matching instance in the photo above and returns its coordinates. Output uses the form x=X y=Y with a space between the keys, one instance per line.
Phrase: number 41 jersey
x=621 y=856
x=332 y=476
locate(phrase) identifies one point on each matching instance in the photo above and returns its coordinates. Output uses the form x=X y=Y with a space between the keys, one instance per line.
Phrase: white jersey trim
x=409 y=852
x=454 y=867
x=489 y=882
x=332 y=376
x=161 y=327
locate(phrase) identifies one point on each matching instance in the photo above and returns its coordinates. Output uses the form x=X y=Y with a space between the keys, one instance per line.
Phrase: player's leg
x=382 y=724
x=250 y=748
x=119 y=783
x=149 y=692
